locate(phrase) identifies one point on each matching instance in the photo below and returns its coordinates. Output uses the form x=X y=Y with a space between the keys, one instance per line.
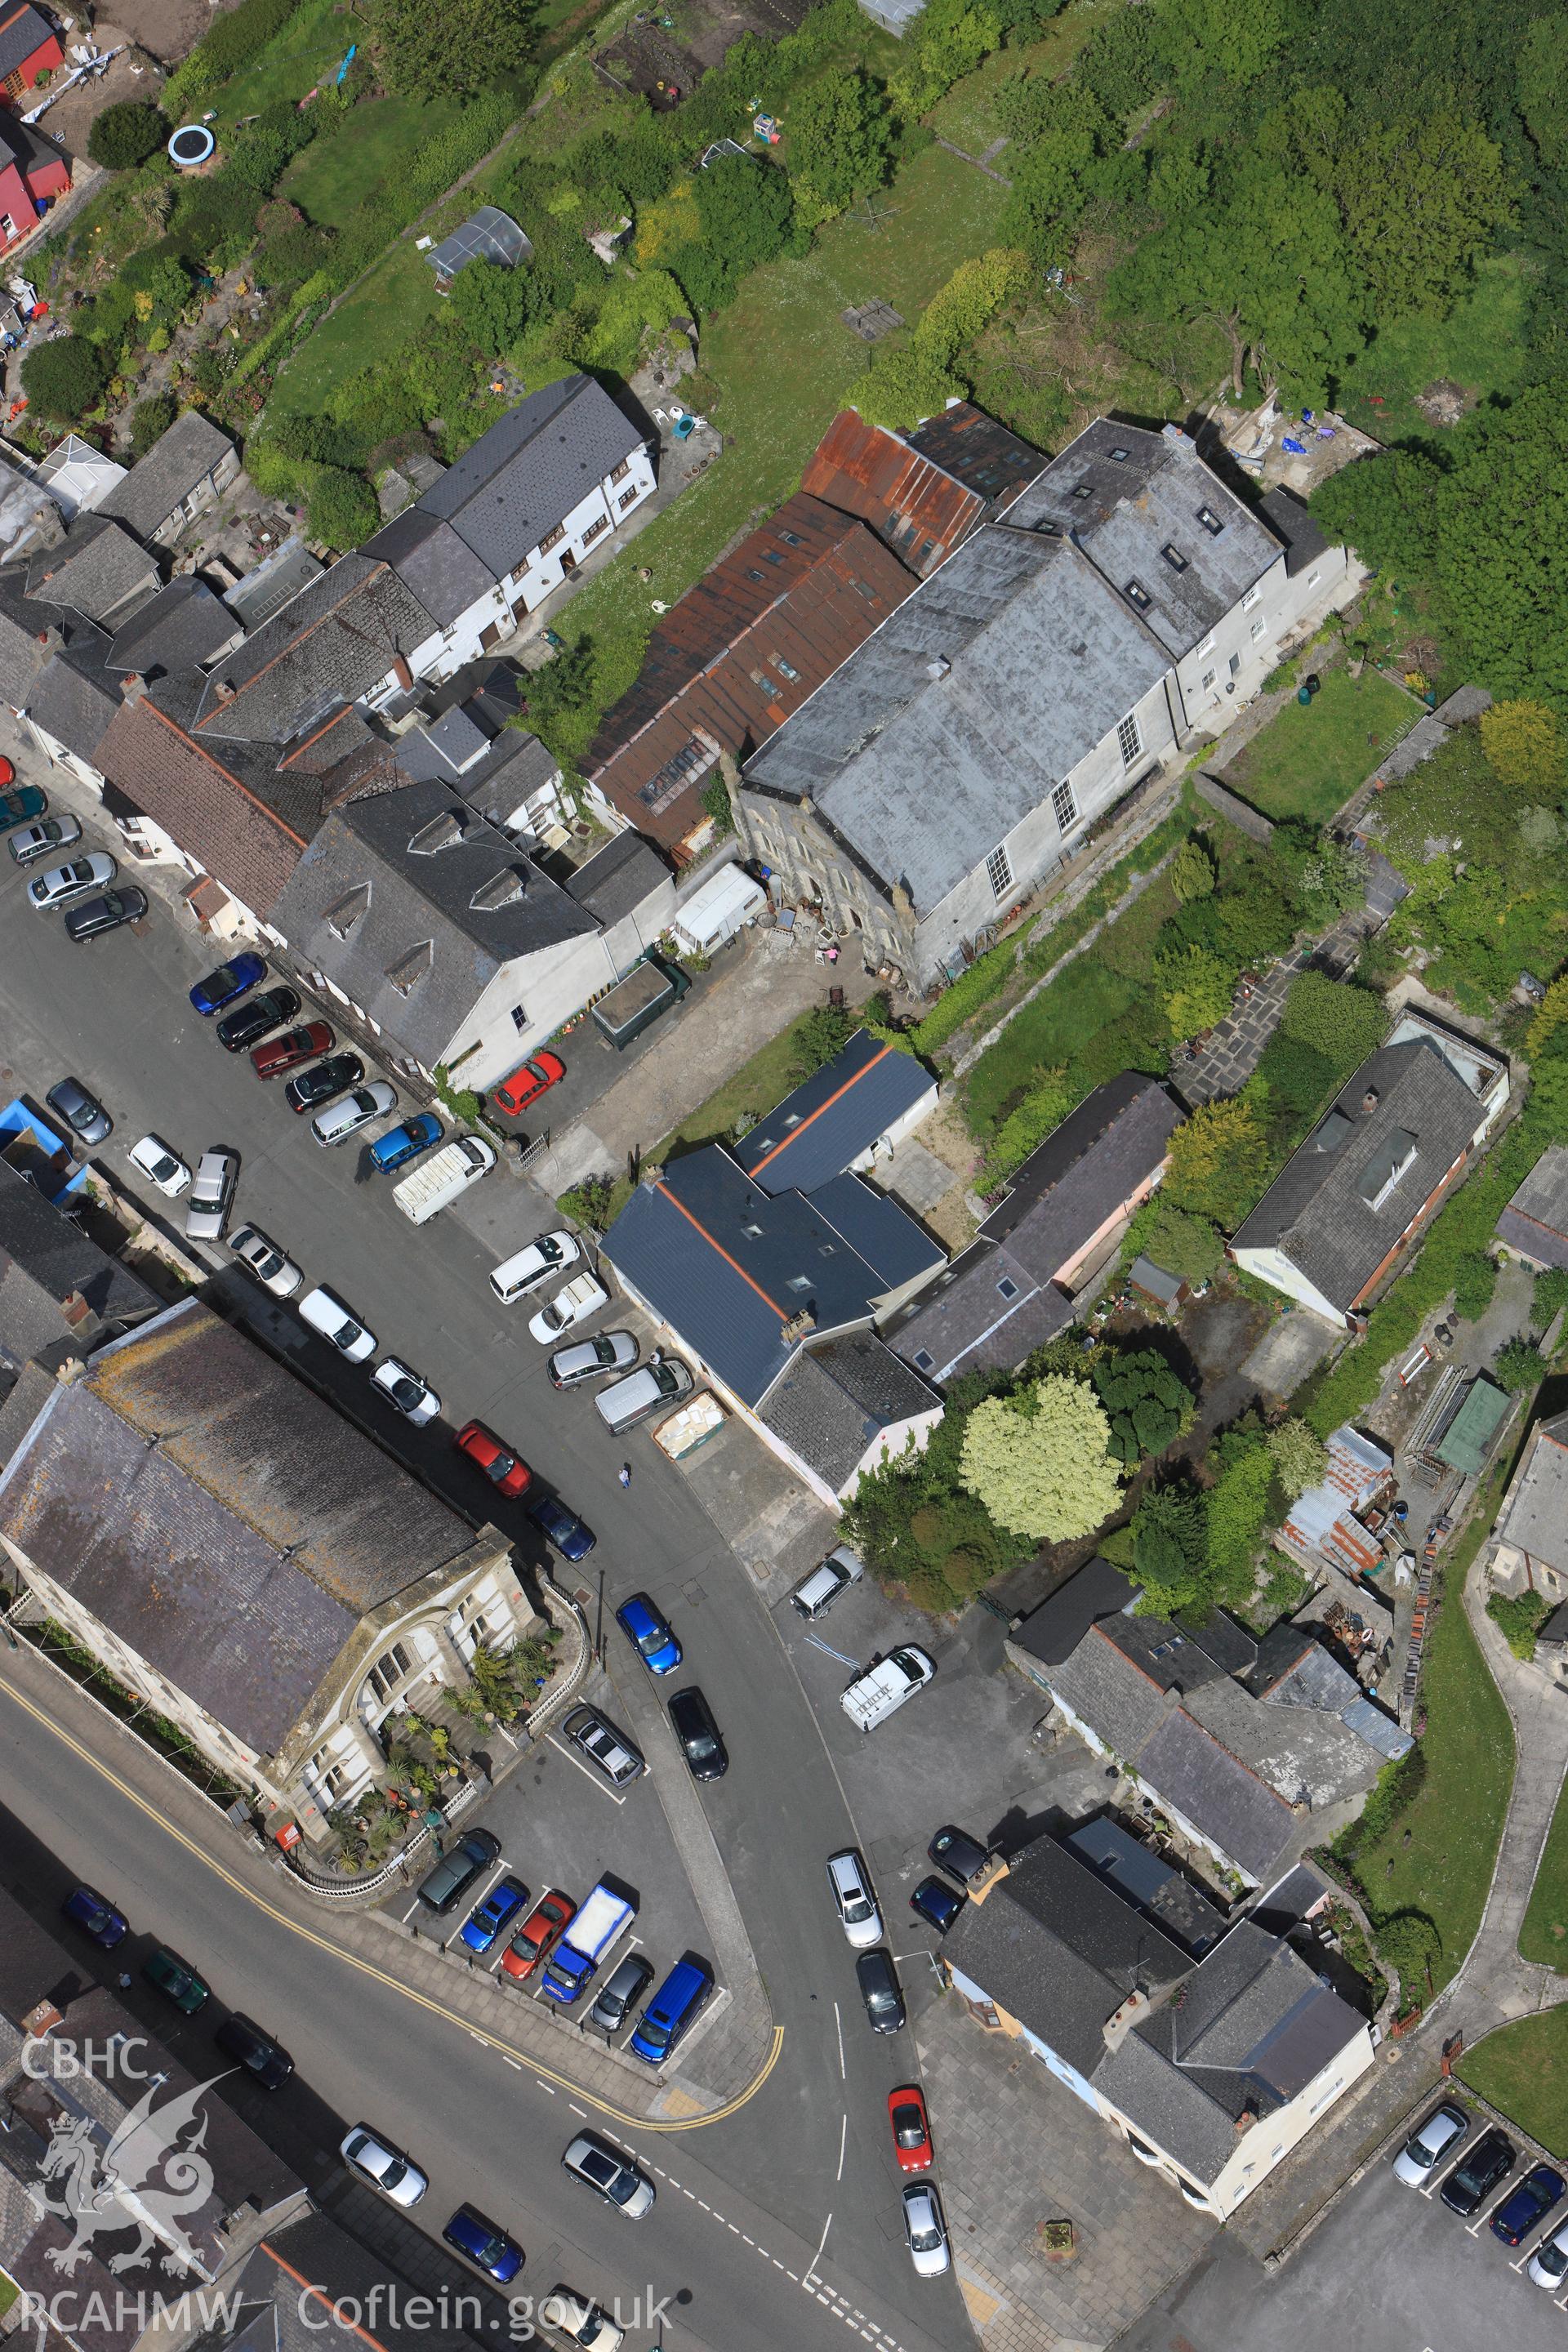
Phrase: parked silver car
x=30 y=842
x=350 y=1112
x=273 y=1271
x=61 y=884
x=589 y=1359
x=663 y=1379
x=211 y=1194
x=82 y=1113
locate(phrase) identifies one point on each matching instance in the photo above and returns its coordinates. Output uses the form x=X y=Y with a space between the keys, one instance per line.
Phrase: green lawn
x=331 y=176
x=1437 y=1855
x=388 y=306
x=967 y=114
x=1309 y=758
x=1047 y=1035
x=313 y=42
x=1544 y=1934
x=782 y=360
x=756 y=1086
x=1482 y=345
x=1523 y=2070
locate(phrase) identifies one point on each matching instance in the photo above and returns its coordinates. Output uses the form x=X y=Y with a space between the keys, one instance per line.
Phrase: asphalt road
x=807 y=2160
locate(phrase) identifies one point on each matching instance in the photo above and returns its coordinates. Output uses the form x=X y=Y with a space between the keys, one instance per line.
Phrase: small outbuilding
x=489 y=234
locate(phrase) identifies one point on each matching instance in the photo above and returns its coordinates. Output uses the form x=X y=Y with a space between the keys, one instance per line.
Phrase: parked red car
x=294 y=1047
x=538 y=1073
x=551 y=1915
x=508 y=1471
x=911 y=2128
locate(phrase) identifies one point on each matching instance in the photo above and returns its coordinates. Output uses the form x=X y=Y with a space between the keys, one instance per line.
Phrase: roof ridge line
x=836 y=1096
x=733 y=1264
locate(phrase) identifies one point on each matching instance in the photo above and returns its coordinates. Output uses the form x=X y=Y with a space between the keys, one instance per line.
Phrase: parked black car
x=1490 y=2161
x=621 y=1995
x=441 y=1889
x=249 y=1023
x=881 y=1990
x=96 y=916
x=707 y=1758
x=962 y=1856
x=314 y=1086
x=240 y=2038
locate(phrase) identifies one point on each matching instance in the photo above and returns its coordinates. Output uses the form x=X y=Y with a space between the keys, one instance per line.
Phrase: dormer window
x=443 y=832
x=501 y=890
x=406 y=973
x=348 y=912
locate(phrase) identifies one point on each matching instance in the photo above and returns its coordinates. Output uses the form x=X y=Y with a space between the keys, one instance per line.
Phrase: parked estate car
x=273 y=1271
x=621 y=1995
x=403 y=1388
x=538 y=1075
x=937 y=1904
x=961 y=1855
x=401 y=1144
x=880 y=1991
x=61 y=884
x=527 y=1268
x=588 y=1359
x=240 y=2038
x=441 y=1889
x=82 y=1113
x=161 y=1166
x=572 y=1304
x=663 y=1379
x=815 y=1595
x=1473 y=2179
x=508 y=1471
x=910 y=2126
x=692 y=1719
x=562 y=1529
x=340 y=1120
x=1424 y=2148
x=35 y=841
x=96 y=1917
x=925 y=2230
x=25 y=801
x=596 y=1737
x=551 y=1915
x=491 y=1917
x=382 y=2168
x=325 y=1313
x=856 y=1906
x=211 y=1194
x=1530 y=2203
x=672 y=2011
x=175 y=1980
x=95 y=917
x=483 y=2244
x=231 y=980
x=295 y=1045
x=306 y=1088
x=649 y=1632
x=249 y=1022
x=1548 y=2265
x=581 y=2322
x=601 y=2168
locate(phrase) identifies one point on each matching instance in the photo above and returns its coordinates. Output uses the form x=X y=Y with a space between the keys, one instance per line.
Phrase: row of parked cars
x=83 y=887
x=1485 y=2164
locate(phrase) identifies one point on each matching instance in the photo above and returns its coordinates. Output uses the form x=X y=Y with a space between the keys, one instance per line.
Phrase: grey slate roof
x=838 y=1113
x=728 y=1267
x=21 y=655
x=1136 y=506
x=836 y=1401
x=1146 y=1879
x=1060 y=1950
x=1042 y=661
x=95 y=567
x=1317 y=1211
x=25 y=31
x=1052 y=1632
x=1190 y=1769
x=219 y=1517
x=280 y=2315
x=1536 y=1219
x=897 y=1250
x=428 y=555
x=1110 y=1694
x=528 y=471
x=44 y=1259
x=489 y=234
x=618 y=877
x=1307 y=1754
x=363 y=900
x=497 y=768
x=331 y=644
x=1292 y=522
x=180 y=460
x=74 y=703
x=179 y=628
x=1534 y=1515
x=1101 y=1154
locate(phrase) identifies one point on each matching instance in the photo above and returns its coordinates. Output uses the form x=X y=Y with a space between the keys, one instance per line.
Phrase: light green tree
x=1193 y=871
x=1040 y=1462
x=1299 y=1455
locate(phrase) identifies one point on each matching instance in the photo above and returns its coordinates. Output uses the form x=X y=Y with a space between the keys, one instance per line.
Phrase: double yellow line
x=380 y=1976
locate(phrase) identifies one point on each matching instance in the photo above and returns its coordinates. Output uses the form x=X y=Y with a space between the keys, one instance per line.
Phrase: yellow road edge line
x=380 y=1976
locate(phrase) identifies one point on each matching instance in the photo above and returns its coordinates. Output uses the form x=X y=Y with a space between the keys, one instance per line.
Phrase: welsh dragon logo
x=145 y=2178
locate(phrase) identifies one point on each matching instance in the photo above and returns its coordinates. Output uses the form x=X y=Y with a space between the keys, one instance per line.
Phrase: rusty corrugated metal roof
x=978 y=452
x=910 y=503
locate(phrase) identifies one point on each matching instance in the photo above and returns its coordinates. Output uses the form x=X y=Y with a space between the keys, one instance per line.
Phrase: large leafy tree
x=1041 y=1461
x=1420 y=197
x=494 y=303
x=65 y=379
x=1148 y=1406
x=1168 y=1549
x=746 y=210
x=840 y=141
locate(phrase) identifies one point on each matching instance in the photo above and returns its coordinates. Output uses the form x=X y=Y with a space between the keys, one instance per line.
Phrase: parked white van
x=882 y=1689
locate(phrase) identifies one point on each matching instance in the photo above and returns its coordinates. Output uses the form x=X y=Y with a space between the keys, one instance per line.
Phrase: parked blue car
x=561 y=1527
x=488 y=2248
x=1531 y=2203
x=648 y=1633
x=96 y=1915
x=229 y=980
x=501 y=1905
x=21 y=806
x=406 y=1142
x=937 y=1904
x=673 y=2008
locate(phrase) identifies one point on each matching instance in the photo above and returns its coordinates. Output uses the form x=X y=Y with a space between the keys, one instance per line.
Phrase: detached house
x=232 y=1550
x=513 y=518
x=1388 y=1150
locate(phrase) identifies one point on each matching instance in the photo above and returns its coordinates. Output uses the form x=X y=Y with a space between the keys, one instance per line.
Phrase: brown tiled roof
x=186 y=788
x=805 y=590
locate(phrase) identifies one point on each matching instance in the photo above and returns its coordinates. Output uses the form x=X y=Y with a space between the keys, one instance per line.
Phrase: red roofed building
x=32 y=173
x=29 y=46
x=925 y=490
x=734 y=658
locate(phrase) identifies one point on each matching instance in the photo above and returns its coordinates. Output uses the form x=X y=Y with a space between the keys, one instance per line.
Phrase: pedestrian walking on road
x=626 y=1473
